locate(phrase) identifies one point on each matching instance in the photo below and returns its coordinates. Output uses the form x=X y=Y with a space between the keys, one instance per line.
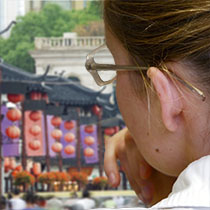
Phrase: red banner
x=34 y=135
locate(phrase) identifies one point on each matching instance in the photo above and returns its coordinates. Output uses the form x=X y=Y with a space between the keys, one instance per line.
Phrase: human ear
x=169 y=97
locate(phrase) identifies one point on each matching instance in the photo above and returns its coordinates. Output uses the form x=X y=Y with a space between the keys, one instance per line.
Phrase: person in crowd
x=3 y=203
x=41 y=202
x=119 y=201
x=16 y=202
x=9 y=197
x=31 y=201
x=86 y=202
x=108 y=203
x=54 y=203
x=161 y=51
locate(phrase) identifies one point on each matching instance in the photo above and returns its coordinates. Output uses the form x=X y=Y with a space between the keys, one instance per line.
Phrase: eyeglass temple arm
x=189 y=86
x=186 y=83
x=91 y=65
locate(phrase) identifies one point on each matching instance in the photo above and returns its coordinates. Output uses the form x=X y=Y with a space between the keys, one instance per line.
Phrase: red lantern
x=89 y=128
x=35 y=115
x=69 y=150
x=14 y=114
x=34 y=145
x=56 y=121
x=88 y=152
x=89 y=140
x=57 y=147
x=36 y=95
x=68 y=125
x=15 y=98
x=109 y=131
x=12 y=163
x=13 y=132
x=69 y=137
x=6 y=162
x=56 y=134
x=35 y=130
x=96 y=110
x=36 y=168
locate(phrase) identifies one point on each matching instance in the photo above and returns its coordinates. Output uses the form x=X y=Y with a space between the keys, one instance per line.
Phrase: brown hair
x=160 y=31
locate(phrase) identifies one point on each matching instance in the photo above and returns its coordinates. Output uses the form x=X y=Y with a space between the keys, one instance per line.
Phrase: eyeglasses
x=95 y=69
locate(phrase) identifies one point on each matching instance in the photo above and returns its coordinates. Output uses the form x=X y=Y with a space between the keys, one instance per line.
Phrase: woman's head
x=175 y=34
x=161 y=31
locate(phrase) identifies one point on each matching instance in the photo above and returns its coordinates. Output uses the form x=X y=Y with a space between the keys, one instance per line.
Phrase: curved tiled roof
x=65 y=92
x=59 y=89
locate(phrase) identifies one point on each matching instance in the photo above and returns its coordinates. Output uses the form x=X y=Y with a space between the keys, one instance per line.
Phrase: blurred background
x=54 y=118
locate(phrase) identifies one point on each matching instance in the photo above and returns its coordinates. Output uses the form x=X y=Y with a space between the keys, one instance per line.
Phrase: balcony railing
x=65 y=43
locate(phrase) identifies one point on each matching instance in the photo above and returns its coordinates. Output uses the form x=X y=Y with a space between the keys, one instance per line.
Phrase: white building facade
x=67 y=54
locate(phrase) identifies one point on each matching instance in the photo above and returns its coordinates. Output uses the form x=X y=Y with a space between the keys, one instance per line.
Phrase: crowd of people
x=27 y=201
x=32 y=201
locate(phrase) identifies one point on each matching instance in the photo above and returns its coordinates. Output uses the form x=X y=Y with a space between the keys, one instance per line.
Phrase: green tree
x=20 y=56
x=2 y=46
x=96 y=8
x=93 y=28
x=51 y=21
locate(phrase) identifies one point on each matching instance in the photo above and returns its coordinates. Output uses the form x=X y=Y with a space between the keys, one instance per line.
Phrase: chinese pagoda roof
x=59 y=89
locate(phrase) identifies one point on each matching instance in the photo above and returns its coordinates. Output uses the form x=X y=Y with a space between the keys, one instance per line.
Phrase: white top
x=191 y=189
x=17 y=203
x=86 y=203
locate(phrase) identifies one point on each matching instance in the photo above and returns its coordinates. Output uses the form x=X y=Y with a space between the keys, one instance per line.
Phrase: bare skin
x=177 y=119
x=150 y=185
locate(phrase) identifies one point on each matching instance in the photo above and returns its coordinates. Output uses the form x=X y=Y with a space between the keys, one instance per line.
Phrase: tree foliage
x=96 y=8
x=93 y=28
x=51 y=21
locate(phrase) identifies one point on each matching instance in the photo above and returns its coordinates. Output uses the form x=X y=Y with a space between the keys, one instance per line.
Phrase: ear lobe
x=169 y=97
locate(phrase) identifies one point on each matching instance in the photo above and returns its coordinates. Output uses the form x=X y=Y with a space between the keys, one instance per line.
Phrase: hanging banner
x=10 y=146
x=34 y=135
x=69 y=139
x=51 y=140
x=89 y=142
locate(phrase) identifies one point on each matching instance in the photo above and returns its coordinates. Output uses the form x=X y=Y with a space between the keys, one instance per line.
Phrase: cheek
x=132 y=108
x=148 y=134
x=125 y=97
x=121 y=91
